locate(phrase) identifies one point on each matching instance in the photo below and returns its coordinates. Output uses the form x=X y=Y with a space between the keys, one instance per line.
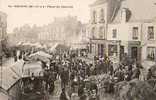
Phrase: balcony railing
x=93 y=22
x=135 y=38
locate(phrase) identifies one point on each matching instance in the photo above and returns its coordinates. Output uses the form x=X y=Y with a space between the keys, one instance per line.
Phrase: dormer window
x=123 y=15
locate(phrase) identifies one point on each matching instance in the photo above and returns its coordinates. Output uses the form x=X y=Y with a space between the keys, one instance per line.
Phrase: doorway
x=122 y=51
x=134 y=53
x=101 y=50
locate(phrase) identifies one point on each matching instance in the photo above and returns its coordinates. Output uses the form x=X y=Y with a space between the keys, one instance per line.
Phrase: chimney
x=123 y=15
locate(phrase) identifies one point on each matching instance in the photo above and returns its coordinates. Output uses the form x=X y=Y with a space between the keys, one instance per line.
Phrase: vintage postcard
x=77 y=49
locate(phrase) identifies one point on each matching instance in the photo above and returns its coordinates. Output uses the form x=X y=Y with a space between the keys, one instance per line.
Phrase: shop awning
x=53 y=48
x=32 y=67
x=10 y=75
x=41 y=54
x=78 y=47
x=8 y=78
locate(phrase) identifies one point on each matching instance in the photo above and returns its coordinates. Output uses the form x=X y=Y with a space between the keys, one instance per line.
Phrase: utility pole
x=1 y=60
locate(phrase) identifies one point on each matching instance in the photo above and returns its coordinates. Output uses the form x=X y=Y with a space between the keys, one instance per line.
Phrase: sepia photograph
x=77 y=49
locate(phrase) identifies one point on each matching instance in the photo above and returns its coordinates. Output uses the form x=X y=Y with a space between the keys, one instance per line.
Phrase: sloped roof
x=44 y=54
x=98 y=2
x=32 y=67
x=11 y=74
x=141 y=10
x=54 y=46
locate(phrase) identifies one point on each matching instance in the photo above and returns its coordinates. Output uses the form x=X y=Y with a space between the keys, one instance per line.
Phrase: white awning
x=8 y=78
x=42 y=54
x=10 y=75
x=32 y=67
x=53 y=47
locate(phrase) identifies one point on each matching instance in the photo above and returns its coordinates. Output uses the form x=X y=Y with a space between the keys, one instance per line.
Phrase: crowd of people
x=76 y=75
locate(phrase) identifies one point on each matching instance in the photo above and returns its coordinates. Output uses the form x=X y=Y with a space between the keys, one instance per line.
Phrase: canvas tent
x=40 y=56
x=32 y=67
x=10 y=75
x=59 y=47
x=52 y=49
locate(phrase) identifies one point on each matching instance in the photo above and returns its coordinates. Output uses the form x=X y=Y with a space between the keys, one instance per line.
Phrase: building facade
x=102 y=12
x=3 y=29
x=65 y=29
x=3 y=25
x=127 y=29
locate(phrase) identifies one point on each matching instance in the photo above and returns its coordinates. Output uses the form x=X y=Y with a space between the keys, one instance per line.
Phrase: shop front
x=101 y=47
x=113 y=49
x=134 y=50
x=98 y=47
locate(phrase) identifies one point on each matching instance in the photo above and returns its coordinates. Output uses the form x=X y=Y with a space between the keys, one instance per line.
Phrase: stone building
x=120 y=27
x=3 y=25
x=63 y=29
x=101 y=15
x=3 y=28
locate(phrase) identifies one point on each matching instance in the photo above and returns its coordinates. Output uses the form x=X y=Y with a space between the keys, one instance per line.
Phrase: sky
x=18 y=16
